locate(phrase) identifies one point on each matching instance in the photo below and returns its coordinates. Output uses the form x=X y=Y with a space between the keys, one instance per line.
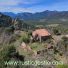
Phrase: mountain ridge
x=39 y=15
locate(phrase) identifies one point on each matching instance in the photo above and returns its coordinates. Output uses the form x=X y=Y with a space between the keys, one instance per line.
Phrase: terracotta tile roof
x=41 y=32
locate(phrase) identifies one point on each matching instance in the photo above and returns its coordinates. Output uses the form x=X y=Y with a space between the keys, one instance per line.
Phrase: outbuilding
x=40 y=34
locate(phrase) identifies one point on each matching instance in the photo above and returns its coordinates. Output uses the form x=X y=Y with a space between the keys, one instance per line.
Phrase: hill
x=40 y=15
x=11 y=14
x=5 y=20
x=45 y=17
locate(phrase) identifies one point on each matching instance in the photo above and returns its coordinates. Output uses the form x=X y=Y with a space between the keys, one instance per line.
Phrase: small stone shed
x=41 y=34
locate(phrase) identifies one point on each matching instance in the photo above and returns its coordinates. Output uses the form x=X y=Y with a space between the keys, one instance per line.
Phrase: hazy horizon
x=32 y=12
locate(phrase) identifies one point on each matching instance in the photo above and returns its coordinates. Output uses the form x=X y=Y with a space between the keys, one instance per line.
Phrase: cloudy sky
x=32 y=5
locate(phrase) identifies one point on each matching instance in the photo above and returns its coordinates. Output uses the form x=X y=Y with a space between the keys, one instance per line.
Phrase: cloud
x=16 y=2
x=16 y=10
x=32 y=5
x=13 y=2
x=15 y=5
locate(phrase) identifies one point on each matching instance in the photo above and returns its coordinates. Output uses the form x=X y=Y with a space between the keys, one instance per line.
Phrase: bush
x=8 y=53
x=11 y=51
x=9 y=29
x=64 y=39
x=56 y=32
x=25 y=38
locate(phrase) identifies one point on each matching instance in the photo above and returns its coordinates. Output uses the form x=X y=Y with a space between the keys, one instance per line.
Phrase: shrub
x=64 y=38
x=56 y=31
x=9 y=29
x=6 y=52
x=25 y=38
x=11 y=51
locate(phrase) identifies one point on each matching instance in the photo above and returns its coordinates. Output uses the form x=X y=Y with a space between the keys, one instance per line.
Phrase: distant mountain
x=40 y=16
x=25 y=16
x=5 y=20
x=11 y=14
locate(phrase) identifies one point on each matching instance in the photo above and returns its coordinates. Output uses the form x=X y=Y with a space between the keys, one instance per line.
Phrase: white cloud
x=15 y=2
x=15 y=10
x=12 y=6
